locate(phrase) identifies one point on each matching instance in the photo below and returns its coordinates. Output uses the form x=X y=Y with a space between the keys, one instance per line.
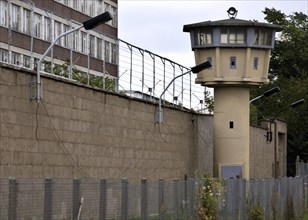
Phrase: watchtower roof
x=230 y=23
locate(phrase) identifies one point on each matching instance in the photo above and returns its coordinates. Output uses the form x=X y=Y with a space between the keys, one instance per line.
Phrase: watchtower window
x=255 y=63
x=233 y=36
x=232 y=63
x=203 y=37
x=263 y=37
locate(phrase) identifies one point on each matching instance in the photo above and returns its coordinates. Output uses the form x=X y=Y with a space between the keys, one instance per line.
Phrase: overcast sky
x=157 y=26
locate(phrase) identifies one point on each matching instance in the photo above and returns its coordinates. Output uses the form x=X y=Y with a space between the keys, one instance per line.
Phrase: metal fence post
x=48 y=198
x=144 y=199
x=191 y=202
x=161 y=197
x=176 y=199
x=13 y=189
x=124 y=211
x=103 y=199
x=76 y=197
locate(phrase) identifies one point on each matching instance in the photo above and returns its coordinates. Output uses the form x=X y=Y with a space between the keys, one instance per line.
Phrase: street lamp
x=195 y=69
x=88 y=25
x=269 y=135
x=266 y=94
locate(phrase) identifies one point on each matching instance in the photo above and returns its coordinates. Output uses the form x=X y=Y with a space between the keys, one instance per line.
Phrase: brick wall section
x=76 y=131
x=86 y=132
x=261 y=154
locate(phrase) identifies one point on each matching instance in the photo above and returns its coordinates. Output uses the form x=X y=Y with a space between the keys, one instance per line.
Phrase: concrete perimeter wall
x=78 y=131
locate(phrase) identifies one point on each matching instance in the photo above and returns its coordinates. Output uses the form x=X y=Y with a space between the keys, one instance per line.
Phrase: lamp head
x=202 y=66
x=297 y=103
x=271 y=91
x=99 y=19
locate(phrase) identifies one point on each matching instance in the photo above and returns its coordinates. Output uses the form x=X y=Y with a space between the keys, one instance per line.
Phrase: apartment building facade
x=27 y=27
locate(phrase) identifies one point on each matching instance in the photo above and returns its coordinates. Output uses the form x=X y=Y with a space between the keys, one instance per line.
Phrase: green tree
x=288 y=70
x=209 y=101
x=81 y=77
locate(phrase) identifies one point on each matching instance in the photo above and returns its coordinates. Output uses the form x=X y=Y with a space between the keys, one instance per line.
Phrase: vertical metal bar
x=131 y=67
x=142 y=71
x=161 y=197
x=190 y=92
x=13 y=189
x=76 y=197
x=144 y=199
x=48 y=199
x=164 y=74
x=124 y=211
x=173 y=89
x=182 y=85
x=176 y=199
x=103 y=199
x=154 y=75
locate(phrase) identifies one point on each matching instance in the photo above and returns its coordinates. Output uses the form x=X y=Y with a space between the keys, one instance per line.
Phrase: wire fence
x=163 y=199
x=141 y=74
x=145 y=74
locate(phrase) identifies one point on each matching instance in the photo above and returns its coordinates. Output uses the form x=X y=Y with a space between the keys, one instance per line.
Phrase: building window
x=75 y=41
x=26 y=21
x=47 y=29
x=99 y=7
x=255 y=63
x=3 y=13
x=15 y=17
x=92 y=45
x=91 y=8
x=203 y=37
x=99 y=53
x=83 y=6
x=57 y=32
x=4 y=54
x=66 y=2
x=35 y=62
x=66 y=37
x=26 y=61
x=46 y=66
x=75 y=4
x=262 y=37
x=107 y=9
x=113 y=13
x=83 y=42
x=37 y=25
x=107 y=51
x=232 y=63
x=231 y=124
x=233 y=36
x=113 y=53
x=15 y=58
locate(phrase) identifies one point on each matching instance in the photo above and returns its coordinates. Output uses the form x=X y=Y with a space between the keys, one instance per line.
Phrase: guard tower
x=239 y=51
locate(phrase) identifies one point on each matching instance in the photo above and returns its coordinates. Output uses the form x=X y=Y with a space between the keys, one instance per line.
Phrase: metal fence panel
x=63 y=199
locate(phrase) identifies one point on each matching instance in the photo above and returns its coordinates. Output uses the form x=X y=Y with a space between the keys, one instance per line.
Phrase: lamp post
x=195 y=69
x=269 y=133
x=266 y=94
x=88 y=25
